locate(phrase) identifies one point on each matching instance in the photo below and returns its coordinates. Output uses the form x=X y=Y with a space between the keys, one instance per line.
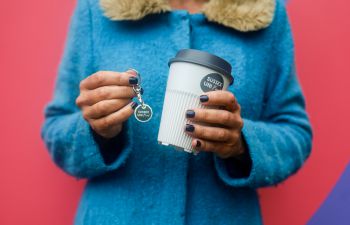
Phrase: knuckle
x=101 y=132
x=119 y=103
x=81 y=101
x=202 y=132
x=235 y=137
x=93 y=125
x=237 y=120
x=123 y=114
x=126 y=91
x=101 y=108
x=226 y=117
x=230 y=144
x=204 y=146
x=222 y=135
x=240 y=122
x=102 y=92
x=98 y=75
x=82 y=84
x=86 y=115
x=213 y=95
x=97 y=78
x=104 y=124
x=78 y=101
x=205 y=115
x=131 y=91
x=118 y=77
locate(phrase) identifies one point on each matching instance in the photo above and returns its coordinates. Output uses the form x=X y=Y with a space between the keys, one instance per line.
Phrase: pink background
x=34 y=191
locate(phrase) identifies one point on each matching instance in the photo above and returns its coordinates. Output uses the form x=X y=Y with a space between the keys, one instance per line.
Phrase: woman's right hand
x=105 y=100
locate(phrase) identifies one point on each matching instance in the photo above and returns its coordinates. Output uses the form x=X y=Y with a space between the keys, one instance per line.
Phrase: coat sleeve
x=68 y=137
x=280 y=141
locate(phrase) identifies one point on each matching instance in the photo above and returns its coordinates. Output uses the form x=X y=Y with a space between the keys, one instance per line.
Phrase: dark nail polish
x=189 y=128
x=133 y=80
x=134 y=105
x=204 y=98
x=141 y=91
x=198 y=144
x=190 y=114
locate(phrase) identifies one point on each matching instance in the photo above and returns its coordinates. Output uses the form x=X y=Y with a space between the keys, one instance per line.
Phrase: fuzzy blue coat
x=152 y=184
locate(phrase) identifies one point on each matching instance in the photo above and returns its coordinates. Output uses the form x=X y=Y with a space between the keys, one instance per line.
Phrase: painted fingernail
x=133 y=80
x=198 y=144
x=190 y=114
x=189 y=128
x=134 y=105
x=204 y=98
x=141 y=91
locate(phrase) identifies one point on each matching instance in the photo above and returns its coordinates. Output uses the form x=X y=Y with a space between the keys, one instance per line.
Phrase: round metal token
x=143 y=113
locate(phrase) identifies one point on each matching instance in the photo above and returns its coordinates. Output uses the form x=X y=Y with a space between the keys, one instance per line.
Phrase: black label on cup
x=212 y=82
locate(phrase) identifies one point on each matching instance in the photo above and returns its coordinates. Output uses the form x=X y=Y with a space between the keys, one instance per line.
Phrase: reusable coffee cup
x=191 y=74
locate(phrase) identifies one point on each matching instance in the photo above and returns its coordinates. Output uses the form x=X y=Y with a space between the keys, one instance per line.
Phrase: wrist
x=110 y=134
x=109 y=148
x=240 y=165
x=241 y=148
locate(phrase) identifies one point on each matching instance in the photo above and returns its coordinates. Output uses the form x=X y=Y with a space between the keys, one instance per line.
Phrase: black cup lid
x=204 y=59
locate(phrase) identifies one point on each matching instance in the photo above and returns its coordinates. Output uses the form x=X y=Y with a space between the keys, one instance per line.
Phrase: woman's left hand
x=223 y=136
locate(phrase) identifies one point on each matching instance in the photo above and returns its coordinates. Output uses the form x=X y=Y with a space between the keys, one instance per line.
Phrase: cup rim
x=206 y=59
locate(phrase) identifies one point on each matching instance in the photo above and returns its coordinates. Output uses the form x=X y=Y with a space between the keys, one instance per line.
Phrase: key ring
x=137 y=88
x=143 y=112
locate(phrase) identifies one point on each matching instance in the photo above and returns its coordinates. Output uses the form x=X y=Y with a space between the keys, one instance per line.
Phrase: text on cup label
x=212 y=82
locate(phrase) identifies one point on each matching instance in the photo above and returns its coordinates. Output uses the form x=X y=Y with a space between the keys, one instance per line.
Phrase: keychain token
x=143 y=113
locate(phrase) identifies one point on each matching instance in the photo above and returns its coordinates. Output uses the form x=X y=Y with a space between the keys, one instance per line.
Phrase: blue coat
x=153 y=184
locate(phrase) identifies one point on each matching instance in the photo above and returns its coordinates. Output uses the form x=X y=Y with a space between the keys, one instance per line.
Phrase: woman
x=261 y=134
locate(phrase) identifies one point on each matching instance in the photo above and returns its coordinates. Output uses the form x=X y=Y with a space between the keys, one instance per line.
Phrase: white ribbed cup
x=182 y=93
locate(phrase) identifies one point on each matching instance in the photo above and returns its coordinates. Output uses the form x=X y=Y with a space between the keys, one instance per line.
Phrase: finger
x=210 y=133
x=91 y=97
x=221 y=149
x=115 y=118
x=106 y=78
x=220 y=98
x=215 y=116
x=104 y=108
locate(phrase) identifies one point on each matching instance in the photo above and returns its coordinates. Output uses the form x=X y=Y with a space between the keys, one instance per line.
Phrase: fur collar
x=242 y=15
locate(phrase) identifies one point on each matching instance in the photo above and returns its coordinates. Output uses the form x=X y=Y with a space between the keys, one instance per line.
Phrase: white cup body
x=184 y=87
